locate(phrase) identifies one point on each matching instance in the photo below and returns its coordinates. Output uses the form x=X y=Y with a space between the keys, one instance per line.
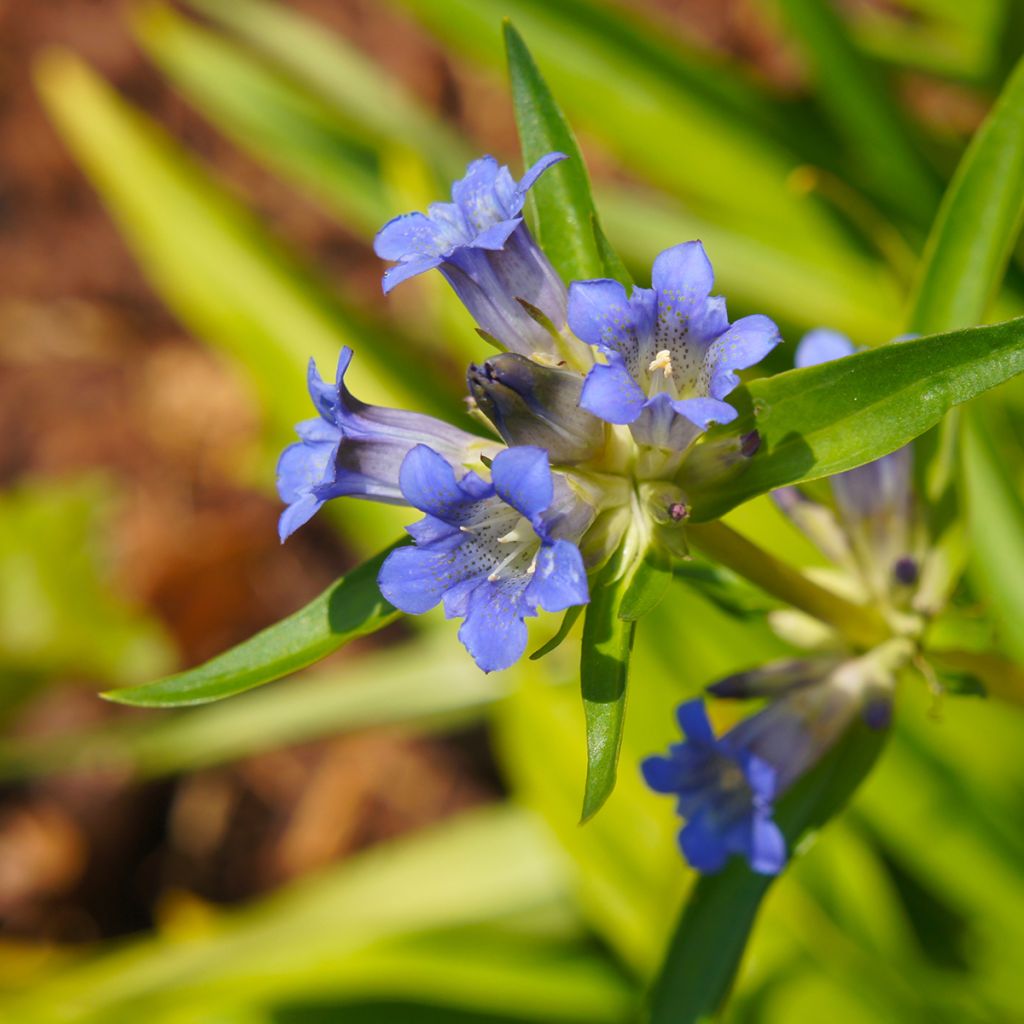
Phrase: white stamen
x=662 y=361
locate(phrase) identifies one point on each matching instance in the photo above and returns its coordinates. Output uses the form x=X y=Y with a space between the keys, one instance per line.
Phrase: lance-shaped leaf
x=604 y=671
x=565 y=219
x=705 y=951
x=349 y=608
x=826 y=419
x=978 y=222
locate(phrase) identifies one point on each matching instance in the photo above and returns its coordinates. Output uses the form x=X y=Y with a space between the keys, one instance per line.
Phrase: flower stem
x=861 y=625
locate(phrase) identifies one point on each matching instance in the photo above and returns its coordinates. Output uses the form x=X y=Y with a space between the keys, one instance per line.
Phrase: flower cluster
x=595 y=403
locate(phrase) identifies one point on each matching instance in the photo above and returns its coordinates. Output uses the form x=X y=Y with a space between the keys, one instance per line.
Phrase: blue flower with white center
x=874 y=502
x=483 y=247
x=726 y=793
x=492 y=552
x=671 y=352
x=356 y=449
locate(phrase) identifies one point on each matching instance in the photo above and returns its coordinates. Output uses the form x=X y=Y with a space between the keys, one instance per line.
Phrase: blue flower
x=356 y=449
x=484 y=249
x=726 y=793
x=874 y=502
x=671 y=353
x=492 y=552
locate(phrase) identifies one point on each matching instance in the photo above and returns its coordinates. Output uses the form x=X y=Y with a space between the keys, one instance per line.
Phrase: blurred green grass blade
x=604 y=672
x=343 y=76
x=864 y=111
x=824 y=419
x=566 y=222
x=995 y=517
x=286 y=127
x=418 y=684
x=211 y=260
x=978 y=222
x=712 y=934
x=487 y=866
x=351 y=607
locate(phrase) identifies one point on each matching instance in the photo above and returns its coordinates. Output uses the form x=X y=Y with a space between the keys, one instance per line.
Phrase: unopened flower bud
x=531 y=404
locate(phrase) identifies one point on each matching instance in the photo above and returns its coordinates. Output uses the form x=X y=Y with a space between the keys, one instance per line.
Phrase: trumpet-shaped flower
x=486 y=252
x=874 y=502
x=356 y=449
x=726 y=793
x=671 y=353
x=493 y=552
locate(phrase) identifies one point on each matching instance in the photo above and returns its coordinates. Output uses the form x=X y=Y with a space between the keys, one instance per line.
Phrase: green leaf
x=712 y=933
x=568 y=621
x=646 y=589
x=978 y=222
x=604 y=670
x=566 y=221
x=995 y=518
x=424 y=685
x=825 y=419
x=349 y=608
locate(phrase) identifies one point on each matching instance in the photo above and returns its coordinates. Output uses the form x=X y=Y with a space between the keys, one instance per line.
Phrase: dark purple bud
x=906 y=571
x=877 y=711
x=678 y=511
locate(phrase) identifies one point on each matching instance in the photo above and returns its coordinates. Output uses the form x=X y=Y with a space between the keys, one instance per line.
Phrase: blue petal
x=597 y=311
x=411 y=234
x=475 y=194
x=683 y=274
x=324 y=395
x=822 y=346
x=662 y=774
x=745 y=344
x=529 y=179
x=522 y=479
x=693 y=720
x=767 y=854
x=493 y=631
x=559 y=578
x=703 y=845
x=297 y=514
x=414 y=579
x=409 y=268
x=496 y=235
x=761 y=776
x=428 y=483
x=702 y=412
x=610 y=393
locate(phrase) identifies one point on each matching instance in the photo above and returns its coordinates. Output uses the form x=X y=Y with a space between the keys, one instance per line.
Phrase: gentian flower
x=356 y=450
x=483 y=247
x=873 y=535
x=493 y=552
x=727 y=787
x=671 y=353
x=726 y=793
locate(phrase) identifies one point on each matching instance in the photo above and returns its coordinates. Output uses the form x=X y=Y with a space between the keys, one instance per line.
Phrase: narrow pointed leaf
x=568 y=621
x=825 y=419
x=978 y=222
x=349 y=608
x=604 y=670
x=566 y=221
x=712 y=934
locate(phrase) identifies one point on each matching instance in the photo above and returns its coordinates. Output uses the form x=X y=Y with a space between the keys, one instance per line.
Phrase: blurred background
x=187 y=199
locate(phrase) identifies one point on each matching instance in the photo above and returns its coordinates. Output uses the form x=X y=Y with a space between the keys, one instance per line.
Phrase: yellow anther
x=662 y=361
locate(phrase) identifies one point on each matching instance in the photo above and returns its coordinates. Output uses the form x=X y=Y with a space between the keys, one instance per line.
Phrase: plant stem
x=861 y=625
